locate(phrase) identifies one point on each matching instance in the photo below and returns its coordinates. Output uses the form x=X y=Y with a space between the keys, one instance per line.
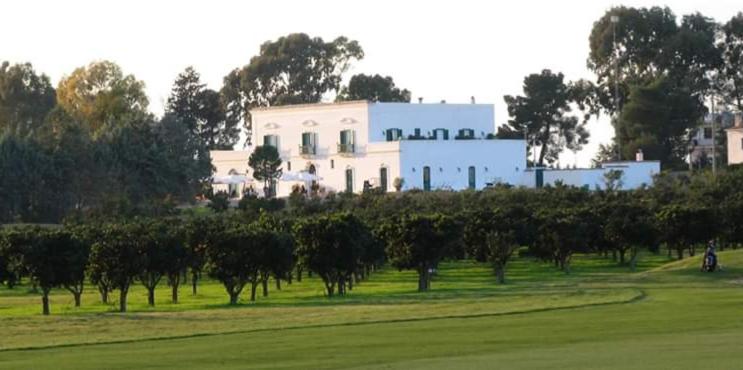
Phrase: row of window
x=347 y=140
x=310 y=139
x=395 y=134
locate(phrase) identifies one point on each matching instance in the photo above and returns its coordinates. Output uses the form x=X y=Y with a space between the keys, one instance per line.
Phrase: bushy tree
x=266 y=165
x=25 y=99
x=542 y=115
x=234 y=259
x=100 y=95
x=417 y=242
x=116 y=260
x=328 y=246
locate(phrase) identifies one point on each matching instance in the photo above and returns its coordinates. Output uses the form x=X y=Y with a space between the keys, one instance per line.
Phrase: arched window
x=427 y=178
x=472 y=179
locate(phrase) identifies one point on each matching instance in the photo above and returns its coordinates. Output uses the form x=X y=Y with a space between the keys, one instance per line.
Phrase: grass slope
x=541 y=319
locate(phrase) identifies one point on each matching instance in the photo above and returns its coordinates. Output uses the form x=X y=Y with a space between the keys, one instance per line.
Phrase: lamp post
x=614 y=20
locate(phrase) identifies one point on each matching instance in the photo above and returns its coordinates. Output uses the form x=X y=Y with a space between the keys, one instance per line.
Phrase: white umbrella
x=230 y=179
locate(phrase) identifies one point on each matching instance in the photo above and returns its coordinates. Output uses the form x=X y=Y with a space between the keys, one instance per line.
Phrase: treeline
x=91 y=148
x=343 y=238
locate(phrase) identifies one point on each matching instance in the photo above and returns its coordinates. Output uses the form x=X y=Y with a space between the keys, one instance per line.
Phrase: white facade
x=373 y=152
x=343 y=146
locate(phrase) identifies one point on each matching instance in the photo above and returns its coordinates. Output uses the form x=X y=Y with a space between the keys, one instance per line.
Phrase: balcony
x=307 y=150
x=346 y=149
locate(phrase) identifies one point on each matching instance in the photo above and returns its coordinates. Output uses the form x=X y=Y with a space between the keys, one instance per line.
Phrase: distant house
x=735 y=141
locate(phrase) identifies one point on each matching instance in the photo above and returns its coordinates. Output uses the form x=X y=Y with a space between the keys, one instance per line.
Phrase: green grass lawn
x=666 y=316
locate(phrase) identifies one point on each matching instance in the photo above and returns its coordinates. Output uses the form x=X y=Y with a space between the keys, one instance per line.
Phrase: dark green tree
x=542 y=115
x=656 y=120
x=25 y=99
x=234 y=259
x=731 y=69
x=373 y=88
x=328 y=246
x=54 y=258
x=202 y=111
x=266 y=165
x=418 y=242
x=116 y=260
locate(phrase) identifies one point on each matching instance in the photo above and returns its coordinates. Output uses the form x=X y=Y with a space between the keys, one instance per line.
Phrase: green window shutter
x=305 y=138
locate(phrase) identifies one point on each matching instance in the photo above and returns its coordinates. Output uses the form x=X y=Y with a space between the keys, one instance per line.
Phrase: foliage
x=373 y=88
x=541 y=115
x=331 y=247
x=202 y=112
x=418 y=242
x=101 y=96
x=265 y=162
x=25 y=99
x=116 y=260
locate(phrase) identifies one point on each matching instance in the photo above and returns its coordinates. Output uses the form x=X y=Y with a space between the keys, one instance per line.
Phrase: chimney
x=639 y=157
x=472 y=99
x=420 y=100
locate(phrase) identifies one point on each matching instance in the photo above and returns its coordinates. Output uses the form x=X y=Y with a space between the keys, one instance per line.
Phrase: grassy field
x=666 y=316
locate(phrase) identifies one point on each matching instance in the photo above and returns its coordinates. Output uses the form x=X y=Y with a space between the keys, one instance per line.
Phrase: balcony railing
x=307 y=150
x=346 y=149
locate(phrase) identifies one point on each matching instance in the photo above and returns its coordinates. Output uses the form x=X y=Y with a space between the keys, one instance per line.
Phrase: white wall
x=634 y=175
x=494 y=160
x=427 y=117
x=735 y=145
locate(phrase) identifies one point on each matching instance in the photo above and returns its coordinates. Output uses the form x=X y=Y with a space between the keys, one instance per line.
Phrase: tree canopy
x=374 y=88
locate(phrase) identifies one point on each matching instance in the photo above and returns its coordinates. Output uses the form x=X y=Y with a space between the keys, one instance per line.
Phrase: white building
x=427 y=146
x=347 y=146
x=735 y=141
x=702 y=146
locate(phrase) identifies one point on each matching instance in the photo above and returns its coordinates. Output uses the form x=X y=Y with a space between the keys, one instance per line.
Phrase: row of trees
x=343 y=239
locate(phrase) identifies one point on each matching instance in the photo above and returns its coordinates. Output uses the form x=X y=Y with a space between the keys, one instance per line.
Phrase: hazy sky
x=437 y=49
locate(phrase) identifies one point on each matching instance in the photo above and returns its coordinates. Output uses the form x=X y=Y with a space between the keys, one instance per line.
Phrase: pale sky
x=437 y=49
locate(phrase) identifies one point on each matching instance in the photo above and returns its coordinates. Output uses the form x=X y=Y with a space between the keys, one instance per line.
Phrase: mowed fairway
x=669 y=316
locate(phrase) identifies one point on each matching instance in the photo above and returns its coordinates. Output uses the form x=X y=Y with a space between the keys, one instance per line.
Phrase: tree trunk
x=350 y=283
x=500 y=273
x=614 y=255
x=331 y=289
x=45 y=302
x=175 y=293
x=194 y=279
x=680 y=253
x=253 y=286
x=264 y=282
x=423 y=277
x=299 y=274
x=622 y=252
x=104 y=295
x=122 y=300
x=633 y=259
x=233 y=297
x=151 y=296
x=278 y=283
x=77 y=298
